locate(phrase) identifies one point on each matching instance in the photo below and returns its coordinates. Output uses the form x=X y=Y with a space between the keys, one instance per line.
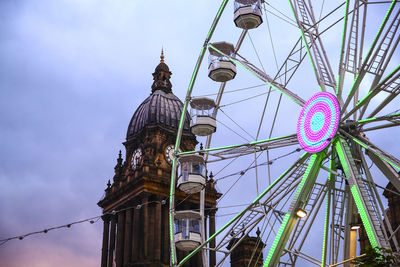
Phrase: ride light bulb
x=301 y=213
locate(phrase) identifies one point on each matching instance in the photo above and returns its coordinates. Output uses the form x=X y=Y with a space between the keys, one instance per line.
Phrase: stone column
x=165 y=241
x=145 y=208
x=128 y=237
x=112 y=243
x=120 y=238
x=136 y=235
x=104 y=249
x=157 y=231
x=211 y=232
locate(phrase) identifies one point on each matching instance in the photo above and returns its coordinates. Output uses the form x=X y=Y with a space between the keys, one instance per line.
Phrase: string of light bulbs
x=91 y=220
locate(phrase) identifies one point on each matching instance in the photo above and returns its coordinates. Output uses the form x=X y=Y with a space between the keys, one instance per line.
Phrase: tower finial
x=162 y=55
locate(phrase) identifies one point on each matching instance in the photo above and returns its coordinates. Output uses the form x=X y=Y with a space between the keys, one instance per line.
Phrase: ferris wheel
x=305 y=96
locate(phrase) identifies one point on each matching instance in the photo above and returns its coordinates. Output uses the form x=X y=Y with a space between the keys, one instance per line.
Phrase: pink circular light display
x=318 y=122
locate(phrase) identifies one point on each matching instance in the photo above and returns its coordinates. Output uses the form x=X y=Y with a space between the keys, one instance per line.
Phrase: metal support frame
x=300 y=198
x=306 y=21
x=365 y=206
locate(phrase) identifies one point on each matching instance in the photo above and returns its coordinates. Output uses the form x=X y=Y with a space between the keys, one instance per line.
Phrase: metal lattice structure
x=333 y=185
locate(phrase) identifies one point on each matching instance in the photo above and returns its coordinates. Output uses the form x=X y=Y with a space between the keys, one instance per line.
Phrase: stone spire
x=161 y=76
x=162 y=55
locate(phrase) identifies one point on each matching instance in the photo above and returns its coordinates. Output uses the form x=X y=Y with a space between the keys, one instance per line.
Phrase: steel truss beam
x=362 y=196
x=299 y=200
x=386 y=222
x=245 y=64
x=386 y=169
x=365 y=143
x=390 y=84
x=246 y=148
x=379 y=54
x=308 y=26
x=290 y=174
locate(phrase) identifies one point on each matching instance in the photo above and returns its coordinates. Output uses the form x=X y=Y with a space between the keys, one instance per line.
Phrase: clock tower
x=135 y=205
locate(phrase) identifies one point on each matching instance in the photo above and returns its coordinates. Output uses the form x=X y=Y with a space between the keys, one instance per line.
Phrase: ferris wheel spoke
x=362 y=196
x=390 y=84
x=247 y=148
x=380 y=52
x=308 y=26
x=328 y=201
x=352 y=42
x=387 y=169
x=365 y=143
x=385 y=222
x=393 y=119
x=298 y=203
x=263 y=76
x=292 y=173
x=303 y=226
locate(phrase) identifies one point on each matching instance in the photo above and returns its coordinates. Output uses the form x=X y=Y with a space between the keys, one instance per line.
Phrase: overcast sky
x=72 y=73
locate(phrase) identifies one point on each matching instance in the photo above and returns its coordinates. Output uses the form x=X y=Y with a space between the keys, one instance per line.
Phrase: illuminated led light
x=285 y=221
x=355 y=227
x=318 y=122
x=364 y=217
x=301 y=213
x=277 y=238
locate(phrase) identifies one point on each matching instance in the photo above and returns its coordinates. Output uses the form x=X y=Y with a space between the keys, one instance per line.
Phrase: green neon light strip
x=351 y=92
x=382 y=157
x=379 y=118
x=181 y=122
x=305 y=176
x=235 y=146
x=302 y=159
x=356 y=195
x=289 y=213
x=306 y=46
x=354 y=84
x=385 y=80
x=343 y=41
x=364 y=217
x=342 y=158
x=277 y=238
x=331 y=184
x=326 y=227
x=366 y=120
x=171 y=215
x=256 y=75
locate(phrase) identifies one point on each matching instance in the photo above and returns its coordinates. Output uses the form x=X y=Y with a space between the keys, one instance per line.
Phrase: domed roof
x=160 y=108
x=162 y=67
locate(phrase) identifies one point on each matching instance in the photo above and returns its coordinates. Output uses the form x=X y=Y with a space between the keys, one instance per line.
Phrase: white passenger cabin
x=187 y=231
x=220 y=68
x=247 y=14
x=191 y=174
x=203 y=116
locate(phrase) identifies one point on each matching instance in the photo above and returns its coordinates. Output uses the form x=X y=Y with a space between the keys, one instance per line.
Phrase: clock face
x=136 y=158
x=169 y=153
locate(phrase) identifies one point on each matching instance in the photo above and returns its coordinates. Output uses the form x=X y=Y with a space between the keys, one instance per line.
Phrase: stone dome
x=159 y=109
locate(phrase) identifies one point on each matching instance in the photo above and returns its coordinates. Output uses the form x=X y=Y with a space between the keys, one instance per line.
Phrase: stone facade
x=136 y=202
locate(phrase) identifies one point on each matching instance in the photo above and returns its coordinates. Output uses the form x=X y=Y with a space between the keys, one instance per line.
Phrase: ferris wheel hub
x=318 y=122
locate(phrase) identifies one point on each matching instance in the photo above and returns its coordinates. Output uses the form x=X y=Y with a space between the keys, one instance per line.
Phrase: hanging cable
x=252 y=137
x=233 y=130
x=91 y=220
x=231 y=91
x=242 y=100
